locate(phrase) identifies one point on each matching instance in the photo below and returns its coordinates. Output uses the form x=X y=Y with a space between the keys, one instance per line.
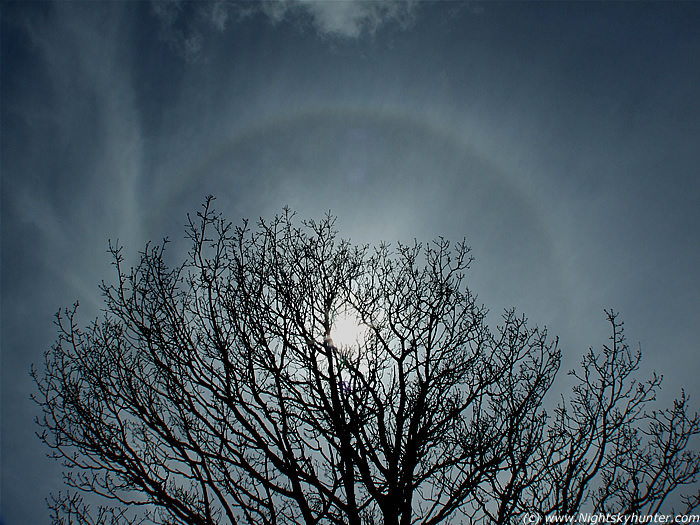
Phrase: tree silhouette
x=213 y=392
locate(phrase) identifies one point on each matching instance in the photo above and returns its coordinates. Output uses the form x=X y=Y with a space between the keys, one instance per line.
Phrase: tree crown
x=219 y=391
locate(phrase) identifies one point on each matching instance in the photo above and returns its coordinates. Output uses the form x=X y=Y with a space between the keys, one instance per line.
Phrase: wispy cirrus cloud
x=343 y=18
x=184 y=25
x=178 y=28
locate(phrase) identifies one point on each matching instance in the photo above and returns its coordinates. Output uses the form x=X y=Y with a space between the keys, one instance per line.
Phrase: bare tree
x=213 y=392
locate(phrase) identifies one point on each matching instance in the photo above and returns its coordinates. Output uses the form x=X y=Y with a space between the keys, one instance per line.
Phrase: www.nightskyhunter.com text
x=614 y=519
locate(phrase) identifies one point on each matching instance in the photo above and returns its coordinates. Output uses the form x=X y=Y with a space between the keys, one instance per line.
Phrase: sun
x=347 y=330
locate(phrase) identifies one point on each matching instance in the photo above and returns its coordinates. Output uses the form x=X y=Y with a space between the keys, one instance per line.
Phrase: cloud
x=184 y=25
x=178 y=27
x=218 y=14
x=344 y=18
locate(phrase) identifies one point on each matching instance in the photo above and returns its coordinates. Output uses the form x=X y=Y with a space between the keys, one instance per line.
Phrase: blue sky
x=560 y=139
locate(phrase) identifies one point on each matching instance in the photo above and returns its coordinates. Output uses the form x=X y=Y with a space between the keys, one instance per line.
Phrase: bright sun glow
x=346 y=330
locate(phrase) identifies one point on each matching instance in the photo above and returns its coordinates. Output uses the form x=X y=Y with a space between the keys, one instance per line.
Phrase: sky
x=560 y=139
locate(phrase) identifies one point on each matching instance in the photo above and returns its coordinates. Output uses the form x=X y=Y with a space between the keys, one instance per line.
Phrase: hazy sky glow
x=560 y=139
